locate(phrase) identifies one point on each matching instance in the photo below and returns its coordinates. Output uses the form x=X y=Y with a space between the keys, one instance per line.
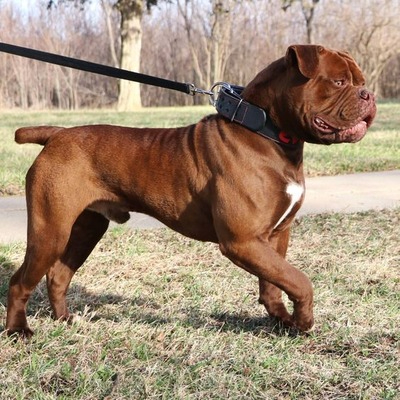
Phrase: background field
x=378 y=151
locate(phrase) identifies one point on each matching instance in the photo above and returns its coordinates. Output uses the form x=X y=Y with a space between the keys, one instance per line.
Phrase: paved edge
x=342 y=193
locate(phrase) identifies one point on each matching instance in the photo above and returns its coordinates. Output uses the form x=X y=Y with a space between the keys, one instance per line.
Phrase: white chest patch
x=294 y=191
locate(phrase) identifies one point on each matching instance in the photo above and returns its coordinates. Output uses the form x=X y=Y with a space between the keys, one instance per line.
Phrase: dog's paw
x=305 y=325
x=24 y=334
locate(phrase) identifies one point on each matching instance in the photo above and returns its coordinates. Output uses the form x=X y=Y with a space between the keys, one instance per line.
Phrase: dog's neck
x=231 y=105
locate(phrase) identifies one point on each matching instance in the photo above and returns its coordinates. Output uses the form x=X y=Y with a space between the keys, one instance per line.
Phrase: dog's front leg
x=260 y=258
x=271 y=295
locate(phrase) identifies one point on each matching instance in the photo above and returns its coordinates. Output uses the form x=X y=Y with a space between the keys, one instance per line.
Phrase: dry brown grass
x=164 y=317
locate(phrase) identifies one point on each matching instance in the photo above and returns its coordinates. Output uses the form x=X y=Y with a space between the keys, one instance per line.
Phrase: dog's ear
x=305 y=58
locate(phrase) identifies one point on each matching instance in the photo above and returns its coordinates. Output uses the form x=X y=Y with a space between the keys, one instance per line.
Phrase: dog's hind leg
x=57 y=256
x=86 y=232
x=44 y=248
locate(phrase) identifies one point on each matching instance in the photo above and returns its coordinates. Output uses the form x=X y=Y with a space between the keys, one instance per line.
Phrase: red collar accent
x=288 y=140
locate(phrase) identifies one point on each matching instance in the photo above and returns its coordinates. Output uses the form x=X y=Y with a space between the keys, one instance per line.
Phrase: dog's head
x=315 y=94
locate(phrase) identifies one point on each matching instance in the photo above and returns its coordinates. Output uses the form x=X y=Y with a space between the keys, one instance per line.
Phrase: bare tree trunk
x=221 y=36
x=209 y=38
x=131 y=43
x=187 y=14
x=307 y=9
x=107 y=8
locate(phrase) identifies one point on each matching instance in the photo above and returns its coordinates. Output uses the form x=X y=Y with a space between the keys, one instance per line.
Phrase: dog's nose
x=364 y=94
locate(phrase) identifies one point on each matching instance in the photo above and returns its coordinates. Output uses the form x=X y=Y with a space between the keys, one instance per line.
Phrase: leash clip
x=193 y=90
x=216 y=89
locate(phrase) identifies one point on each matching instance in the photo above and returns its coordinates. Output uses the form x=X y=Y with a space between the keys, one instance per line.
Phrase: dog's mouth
x=339 y=134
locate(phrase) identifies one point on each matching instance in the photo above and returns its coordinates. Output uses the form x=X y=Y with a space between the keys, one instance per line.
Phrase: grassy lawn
x=379 y=150
x=164 y=317
x=160 y=316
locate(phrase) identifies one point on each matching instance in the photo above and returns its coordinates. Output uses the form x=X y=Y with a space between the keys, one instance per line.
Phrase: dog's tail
x=36 y=134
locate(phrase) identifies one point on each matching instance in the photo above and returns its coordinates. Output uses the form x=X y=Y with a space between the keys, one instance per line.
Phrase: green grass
x=165 y=317
x=379 y=150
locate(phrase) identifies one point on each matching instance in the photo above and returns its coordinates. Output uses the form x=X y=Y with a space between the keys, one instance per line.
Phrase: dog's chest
x=293 y=195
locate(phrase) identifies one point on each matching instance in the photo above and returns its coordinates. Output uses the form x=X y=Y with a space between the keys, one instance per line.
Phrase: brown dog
x=213 y=181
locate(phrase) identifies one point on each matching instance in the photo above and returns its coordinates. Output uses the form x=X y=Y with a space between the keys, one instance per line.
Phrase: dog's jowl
x=213 y=181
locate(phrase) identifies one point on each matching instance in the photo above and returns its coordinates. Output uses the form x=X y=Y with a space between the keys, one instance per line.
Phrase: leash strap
x=97 y=68
x=227 y=100
x=231 y=105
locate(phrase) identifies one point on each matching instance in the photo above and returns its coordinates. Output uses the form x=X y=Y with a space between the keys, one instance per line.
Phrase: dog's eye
x=339 y=82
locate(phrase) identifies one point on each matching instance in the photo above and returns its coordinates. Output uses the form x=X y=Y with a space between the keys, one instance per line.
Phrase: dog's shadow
x=145 y=310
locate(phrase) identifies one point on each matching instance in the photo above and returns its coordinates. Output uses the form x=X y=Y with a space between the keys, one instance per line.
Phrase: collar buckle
x=218 y=87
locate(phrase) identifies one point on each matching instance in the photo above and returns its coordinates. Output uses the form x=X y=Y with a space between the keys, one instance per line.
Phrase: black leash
x=225 y=97
x=100 y=69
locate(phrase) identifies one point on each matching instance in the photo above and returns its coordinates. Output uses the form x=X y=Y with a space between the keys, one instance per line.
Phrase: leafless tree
x=208 y=29
x=130 y=14
x=308 y=10
x=200 y=41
